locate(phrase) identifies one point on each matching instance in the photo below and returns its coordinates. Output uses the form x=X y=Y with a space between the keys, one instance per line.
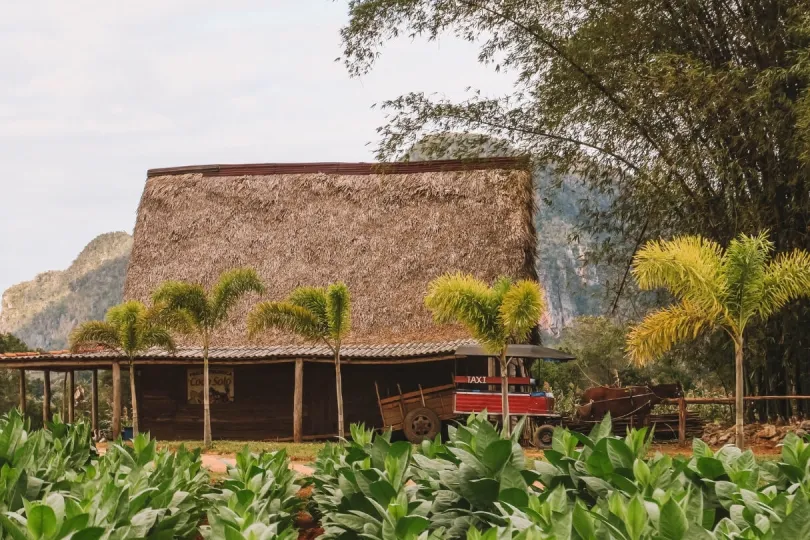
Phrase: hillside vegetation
x=43 y=311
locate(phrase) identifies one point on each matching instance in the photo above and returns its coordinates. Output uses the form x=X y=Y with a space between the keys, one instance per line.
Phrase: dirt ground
x=302 y=455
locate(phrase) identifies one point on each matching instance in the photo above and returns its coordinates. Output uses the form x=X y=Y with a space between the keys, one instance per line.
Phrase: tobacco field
x=476 y=485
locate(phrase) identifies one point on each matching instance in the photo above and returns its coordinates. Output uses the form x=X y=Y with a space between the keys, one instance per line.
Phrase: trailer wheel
x=421 y=424
x=543 y=436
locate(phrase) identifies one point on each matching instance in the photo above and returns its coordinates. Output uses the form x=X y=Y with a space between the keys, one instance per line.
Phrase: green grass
x=297 y=451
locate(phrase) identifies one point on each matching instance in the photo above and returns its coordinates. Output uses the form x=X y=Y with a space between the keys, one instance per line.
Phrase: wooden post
x=46 y=398
x=71 y=389
x=22 y=392
x=682 y=420
x=298 y=401
x=116 y=416
x=94 y=403
x=63 y=410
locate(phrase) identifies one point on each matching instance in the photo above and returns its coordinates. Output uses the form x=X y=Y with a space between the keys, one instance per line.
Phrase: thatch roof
x=386 y=230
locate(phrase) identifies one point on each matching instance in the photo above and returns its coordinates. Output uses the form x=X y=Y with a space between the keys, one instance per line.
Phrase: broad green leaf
x=497 y=454
x=636 y=518
x=672 y=523
x=583 y=521
x=411 y=526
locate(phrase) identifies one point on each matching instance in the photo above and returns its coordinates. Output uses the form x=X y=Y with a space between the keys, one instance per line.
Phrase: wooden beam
x=729 y=400
x=682 y=420
x=46 y=398
x=116 y=405
x=94 y=403
x=298 y=401
x=71 y=390
x=171 y=361
x=22 y=392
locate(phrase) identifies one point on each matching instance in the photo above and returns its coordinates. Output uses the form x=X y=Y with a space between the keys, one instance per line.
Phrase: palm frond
x=94 y=334
x=464 y=299
x=157 y=336
x=232 y=285
x=689 y=266
x=338 y=310
x=313 y=299
x=663 y=329
x=744 y=265
x=520 y=309
x=284 y=316
x=787 y=278
x=500 y=287
x=128 y=318
x=180 y=297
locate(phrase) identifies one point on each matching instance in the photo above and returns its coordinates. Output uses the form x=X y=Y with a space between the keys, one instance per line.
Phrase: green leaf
x=636 y=518
x=599 y=464
x=382 y=492
x=411 y=526
x=583 y=521
x=41 y=521
x=516 y=497
x=797 y=524
x=641 y=471
x=672 y=523
x=14 y=527
x=620 y=455
x=710 y=467
x=497 y=454
x=91 y=533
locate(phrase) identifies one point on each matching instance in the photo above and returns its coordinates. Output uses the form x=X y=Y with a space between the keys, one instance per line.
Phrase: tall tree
x=319 y=314
x=691 y=116
x=11 y=343
x=716 y=289
x=495 y=316
x=129 y=328
x=190 y=309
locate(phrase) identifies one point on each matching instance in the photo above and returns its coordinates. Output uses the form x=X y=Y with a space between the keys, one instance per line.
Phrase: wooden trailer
x=419 y=414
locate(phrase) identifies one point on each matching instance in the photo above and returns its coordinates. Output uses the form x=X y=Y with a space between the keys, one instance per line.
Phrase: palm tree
x=319 y=314
x=129 y=328
x=189 y=309
x=715 y=288
x=495 y=316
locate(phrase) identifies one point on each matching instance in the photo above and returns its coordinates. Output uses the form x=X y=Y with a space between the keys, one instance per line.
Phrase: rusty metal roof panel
x=224 y=354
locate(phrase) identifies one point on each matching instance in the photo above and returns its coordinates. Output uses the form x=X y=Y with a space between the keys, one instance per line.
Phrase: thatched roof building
x=385 y=230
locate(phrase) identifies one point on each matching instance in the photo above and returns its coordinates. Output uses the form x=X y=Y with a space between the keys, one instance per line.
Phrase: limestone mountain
x=43 y=311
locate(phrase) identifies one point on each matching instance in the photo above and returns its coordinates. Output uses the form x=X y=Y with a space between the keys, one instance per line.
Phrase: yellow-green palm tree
x=715 y=288
x=319 y=314
x=495 y=316
x=190 y=309
x=129 y=328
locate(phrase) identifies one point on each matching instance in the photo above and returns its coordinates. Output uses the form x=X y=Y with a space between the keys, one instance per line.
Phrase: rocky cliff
x=43 y=311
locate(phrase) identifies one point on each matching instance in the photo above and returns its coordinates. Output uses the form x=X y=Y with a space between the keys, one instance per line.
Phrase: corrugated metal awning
x=517 y=351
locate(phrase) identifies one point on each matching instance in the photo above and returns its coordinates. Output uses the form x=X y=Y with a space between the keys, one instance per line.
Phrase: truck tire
x=543 y=436
x=421 y=424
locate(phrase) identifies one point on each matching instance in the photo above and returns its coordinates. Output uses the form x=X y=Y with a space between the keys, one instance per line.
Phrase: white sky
x=93 y=93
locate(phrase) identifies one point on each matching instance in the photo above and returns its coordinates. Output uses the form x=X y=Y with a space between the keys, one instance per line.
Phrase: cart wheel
x=543 y=436
x=421 y=424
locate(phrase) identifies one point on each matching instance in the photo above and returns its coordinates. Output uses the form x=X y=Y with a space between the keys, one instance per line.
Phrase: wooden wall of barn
x=263 y=398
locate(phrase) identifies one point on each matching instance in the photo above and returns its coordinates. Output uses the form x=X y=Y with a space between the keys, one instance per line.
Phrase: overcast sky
x=93 y=93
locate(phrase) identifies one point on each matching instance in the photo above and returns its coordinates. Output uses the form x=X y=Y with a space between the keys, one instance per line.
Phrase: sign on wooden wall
x=220 y=383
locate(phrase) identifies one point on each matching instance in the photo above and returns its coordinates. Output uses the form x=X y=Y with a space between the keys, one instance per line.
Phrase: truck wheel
x=421 y=424
x=543 y=436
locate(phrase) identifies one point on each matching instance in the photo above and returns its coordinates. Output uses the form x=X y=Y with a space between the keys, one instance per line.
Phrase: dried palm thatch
x=385 y=232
